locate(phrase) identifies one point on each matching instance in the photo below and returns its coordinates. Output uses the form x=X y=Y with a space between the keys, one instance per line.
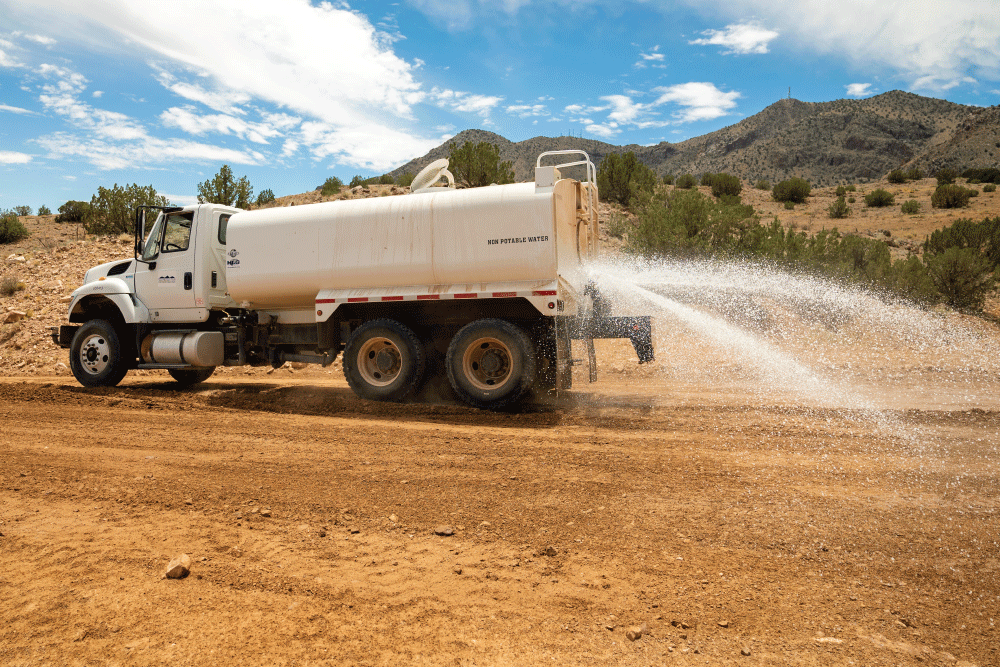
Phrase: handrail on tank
x=591 y=169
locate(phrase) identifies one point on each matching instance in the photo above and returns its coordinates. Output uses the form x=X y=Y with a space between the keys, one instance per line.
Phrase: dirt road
x=729 y=531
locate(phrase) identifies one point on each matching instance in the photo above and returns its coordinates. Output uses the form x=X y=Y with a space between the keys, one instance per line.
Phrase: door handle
x=187 y=280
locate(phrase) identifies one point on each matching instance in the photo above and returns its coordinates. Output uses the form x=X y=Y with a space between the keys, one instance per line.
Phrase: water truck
x=486 y=287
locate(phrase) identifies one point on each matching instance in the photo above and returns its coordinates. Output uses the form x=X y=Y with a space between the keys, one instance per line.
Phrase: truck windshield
x=150 y=246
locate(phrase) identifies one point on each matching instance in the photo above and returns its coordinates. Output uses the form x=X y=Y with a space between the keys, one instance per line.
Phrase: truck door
x=165 y=284
x=215 y=278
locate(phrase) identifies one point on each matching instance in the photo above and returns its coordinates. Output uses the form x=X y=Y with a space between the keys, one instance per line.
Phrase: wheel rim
x=95 y=354
x=487 y=363
x=379 y=362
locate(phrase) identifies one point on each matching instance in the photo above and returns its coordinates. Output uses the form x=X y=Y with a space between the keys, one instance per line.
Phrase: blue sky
x=289 y=92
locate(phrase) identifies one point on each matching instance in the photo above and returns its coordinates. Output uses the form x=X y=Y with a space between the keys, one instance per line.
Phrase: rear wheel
x=189 y=376
x=491 y=363
x=95 y=355
x=383 y=361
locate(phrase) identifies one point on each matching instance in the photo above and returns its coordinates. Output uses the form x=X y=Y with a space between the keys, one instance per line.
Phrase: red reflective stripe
x=326 y=301
x=357 y=299
x=469 y=295
x=428 y=296
x=544 y=292
x=500 y=295
x=392 y=298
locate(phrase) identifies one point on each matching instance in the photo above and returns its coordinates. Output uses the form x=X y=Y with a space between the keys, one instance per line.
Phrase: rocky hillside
x=845 y=141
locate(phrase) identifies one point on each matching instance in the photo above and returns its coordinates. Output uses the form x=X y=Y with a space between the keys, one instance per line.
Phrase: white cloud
x=604 y=131
x=189 y=121
x=13 y=157
x=698 y=100
x=7 y=107
x=527 y=110
x=41 y=39
x=858 y=89
x=108 y=154
x=97 y=93
x=464 y=102
x=935 y=44
x=741 y=38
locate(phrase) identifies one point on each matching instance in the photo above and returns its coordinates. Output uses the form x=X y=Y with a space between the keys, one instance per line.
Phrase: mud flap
x=564 y=355
x=638 y=330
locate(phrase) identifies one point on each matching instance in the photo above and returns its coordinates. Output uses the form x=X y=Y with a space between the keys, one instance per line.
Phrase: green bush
x=789 y=205
x=625 y=180
x=386 y=179
x=982 y=175
x=896 y=176
x=357 y=180
x=706 y=179
x=226 y=190
x=851 y=200
x=950 y=196
x=841 y=191
x=914 y=174
x=618 y=226
x=910 y=207
x=879 y=198
x=726 y=184
x=73 y=211
x=762 y=185
x=973 y=192
x=331 y=186
x=839 y=209
x=990 y=187
x=405 y=179
x=265 y=197
x=112 y=210
x=668 y=179
x=685 y=182
x=22 y=210
x=11 y=229
x=44 y=210
x=793 y=190
x=478 y=165
x=852 y=188
x=946 y=176
x=963 y=276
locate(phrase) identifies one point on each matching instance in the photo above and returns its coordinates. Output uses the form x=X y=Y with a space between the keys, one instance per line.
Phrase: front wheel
x=95 y=355
x=383 y=361
x=189 y=376
x=491 y=363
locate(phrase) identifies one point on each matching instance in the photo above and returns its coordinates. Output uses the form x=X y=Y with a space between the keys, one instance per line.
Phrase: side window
x=223 y=224
x=177 y=235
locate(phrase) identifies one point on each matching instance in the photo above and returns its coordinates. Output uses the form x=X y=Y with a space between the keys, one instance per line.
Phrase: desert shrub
x=973 y=192
x=405 y=179
x=963 y=276
x=331 y=186
x=990 y=187
x=851 y=200
x=685 y=182
x=982 y=175
x=11 y=284
x=841 y=191
x=111 y=210
x=624 y=179
x=44 y=210
x=11 y=229
x=726 y=184
x=879 y=198
x=357 y=180
x=852 y=188
x=793 y=190
x=386 y=179
x=618 y=225
x=896 y=176
x=225 y=189
x=839 y=209
x=707 y=178
x=22 y=210
x=950 y=196
x=946 y=176
x=789 y=205
x=73 y=211
x=914 y=174
x=265 y=197
x=762 y=185
x=910 y=207
x=479 y=164
x=668 y=179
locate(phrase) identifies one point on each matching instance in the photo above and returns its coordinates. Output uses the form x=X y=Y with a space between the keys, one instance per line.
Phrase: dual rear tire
x=490 y=363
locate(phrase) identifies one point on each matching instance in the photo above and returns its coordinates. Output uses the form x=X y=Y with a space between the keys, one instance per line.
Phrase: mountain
x=828 y=143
